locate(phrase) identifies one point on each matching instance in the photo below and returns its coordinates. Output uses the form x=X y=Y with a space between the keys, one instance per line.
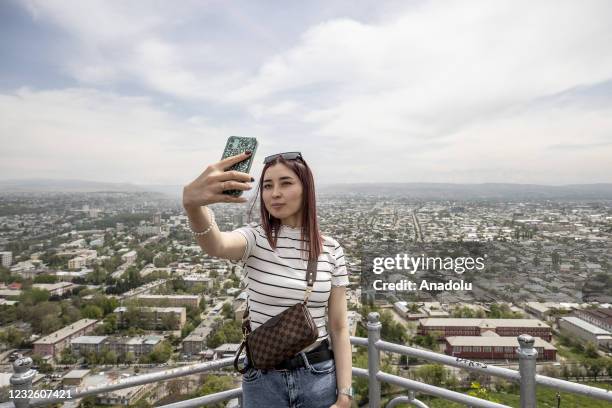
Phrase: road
x=417 y=226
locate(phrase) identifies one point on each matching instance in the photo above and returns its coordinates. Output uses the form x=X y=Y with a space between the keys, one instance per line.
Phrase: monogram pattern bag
x=282 y=336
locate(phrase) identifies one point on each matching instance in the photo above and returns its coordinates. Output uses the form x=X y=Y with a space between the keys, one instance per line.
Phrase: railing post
x=21 y=381
x=374 y=326
x=527 y=369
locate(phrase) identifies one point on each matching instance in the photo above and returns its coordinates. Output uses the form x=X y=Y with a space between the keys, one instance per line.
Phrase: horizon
x=318 y=183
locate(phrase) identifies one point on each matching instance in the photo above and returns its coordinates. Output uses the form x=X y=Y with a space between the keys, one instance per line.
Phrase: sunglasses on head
x=286 y=156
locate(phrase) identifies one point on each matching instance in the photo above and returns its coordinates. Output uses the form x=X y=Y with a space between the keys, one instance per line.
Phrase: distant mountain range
x=81 y=186
x=501 y=191
x=450 y=191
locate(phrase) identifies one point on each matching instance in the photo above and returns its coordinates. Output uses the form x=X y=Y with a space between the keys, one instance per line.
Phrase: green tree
x=169 y=321
x=213 y=384
x=202 y=305
x=227 y=311
x=92 y=312
x=66 y=356
x=565 y=371
x=478 y=391
x=608 y=366
x=142 y=403
x=161 y=352
x=43 y=366
x=433 y=374
x=594 y=367
x=230 y=332
x=577 y=371
x=590 y=350
x=360 y=384
x=391 y=330
x=88 y=402
x=5 y=275
x=110 y=357
x=35 y=296
x=130 y=357
x=145 y=254
x=98 y=275
x=45 y=278
x=13 y=337
x=188 y=328
x=110 y=324
x=70 y=313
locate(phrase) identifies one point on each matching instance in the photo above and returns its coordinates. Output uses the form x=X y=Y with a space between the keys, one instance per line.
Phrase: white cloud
x=437 y=91
x=139 y=43
x=85 y=133
x=552 y=145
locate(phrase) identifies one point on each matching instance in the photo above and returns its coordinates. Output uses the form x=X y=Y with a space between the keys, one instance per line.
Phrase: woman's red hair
x=310 y=235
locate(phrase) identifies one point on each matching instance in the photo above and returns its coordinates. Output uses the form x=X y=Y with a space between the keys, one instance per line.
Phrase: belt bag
x=282 y=336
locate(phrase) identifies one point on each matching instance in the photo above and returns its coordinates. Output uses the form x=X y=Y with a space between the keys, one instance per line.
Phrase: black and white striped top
x=276 y=279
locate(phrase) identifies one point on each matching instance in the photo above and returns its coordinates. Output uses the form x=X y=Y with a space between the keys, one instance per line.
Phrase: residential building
x=447 y=327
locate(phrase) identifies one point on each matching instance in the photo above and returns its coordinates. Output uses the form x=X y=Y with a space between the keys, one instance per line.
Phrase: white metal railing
x=526 y=377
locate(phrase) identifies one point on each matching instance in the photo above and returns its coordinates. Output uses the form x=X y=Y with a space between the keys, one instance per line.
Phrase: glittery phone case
x=236 y=145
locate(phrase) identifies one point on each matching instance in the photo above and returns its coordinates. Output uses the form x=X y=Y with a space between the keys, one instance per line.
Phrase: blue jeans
x=313 y=386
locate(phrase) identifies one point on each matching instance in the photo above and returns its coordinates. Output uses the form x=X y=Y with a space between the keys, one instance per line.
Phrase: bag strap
x=237 y=357
x=246 y=329
x=311 y=277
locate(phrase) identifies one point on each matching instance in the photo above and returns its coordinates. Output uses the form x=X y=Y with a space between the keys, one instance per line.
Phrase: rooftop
x=76 y=374
x=89 y=339
x=487 y=341
x=591 y=328
x=65 y=331
x=601 y=314
x=492 y=323
x=168 y=297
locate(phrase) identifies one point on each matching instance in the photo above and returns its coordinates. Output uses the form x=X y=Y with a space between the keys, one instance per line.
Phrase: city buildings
x=600 y=317
x=169 y=300
x=84 y=345
x=494 y=348
x=6 y=258
x=156 y=318
x=195 y=342
x=576 y=327
x=476 y=327
x=54 y=343
x=120 y=345
x=56 y=289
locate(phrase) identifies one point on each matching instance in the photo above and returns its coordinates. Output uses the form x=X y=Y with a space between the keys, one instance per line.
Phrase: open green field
x=546 y=399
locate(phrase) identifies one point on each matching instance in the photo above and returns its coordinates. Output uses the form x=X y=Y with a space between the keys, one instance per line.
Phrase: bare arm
x=226 y=245
x=341 y=344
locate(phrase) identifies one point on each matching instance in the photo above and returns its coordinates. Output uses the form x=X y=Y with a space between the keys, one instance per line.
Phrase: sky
x=147 y=92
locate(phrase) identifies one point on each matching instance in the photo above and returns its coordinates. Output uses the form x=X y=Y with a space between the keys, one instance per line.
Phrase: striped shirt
x=276 y=279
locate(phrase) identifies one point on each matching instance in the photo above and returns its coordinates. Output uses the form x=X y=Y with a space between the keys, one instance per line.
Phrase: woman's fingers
x=233 y=185
x=209 y=185
x=230 y=161
x=233 y=175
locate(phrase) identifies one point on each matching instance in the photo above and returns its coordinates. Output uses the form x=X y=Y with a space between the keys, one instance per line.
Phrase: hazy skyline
x=465 y=92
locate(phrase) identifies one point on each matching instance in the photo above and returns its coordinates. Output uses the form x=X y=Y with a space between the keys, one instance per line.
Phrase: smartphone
x=236 y=145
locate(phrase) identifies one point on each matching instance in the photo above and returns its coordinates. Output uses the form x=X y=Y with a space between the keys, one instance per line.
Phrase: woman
x=275 y=255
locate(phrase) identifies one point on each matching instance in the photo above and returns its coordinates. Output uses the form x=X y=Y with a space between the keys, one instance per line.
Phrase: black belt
x=316 y=355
